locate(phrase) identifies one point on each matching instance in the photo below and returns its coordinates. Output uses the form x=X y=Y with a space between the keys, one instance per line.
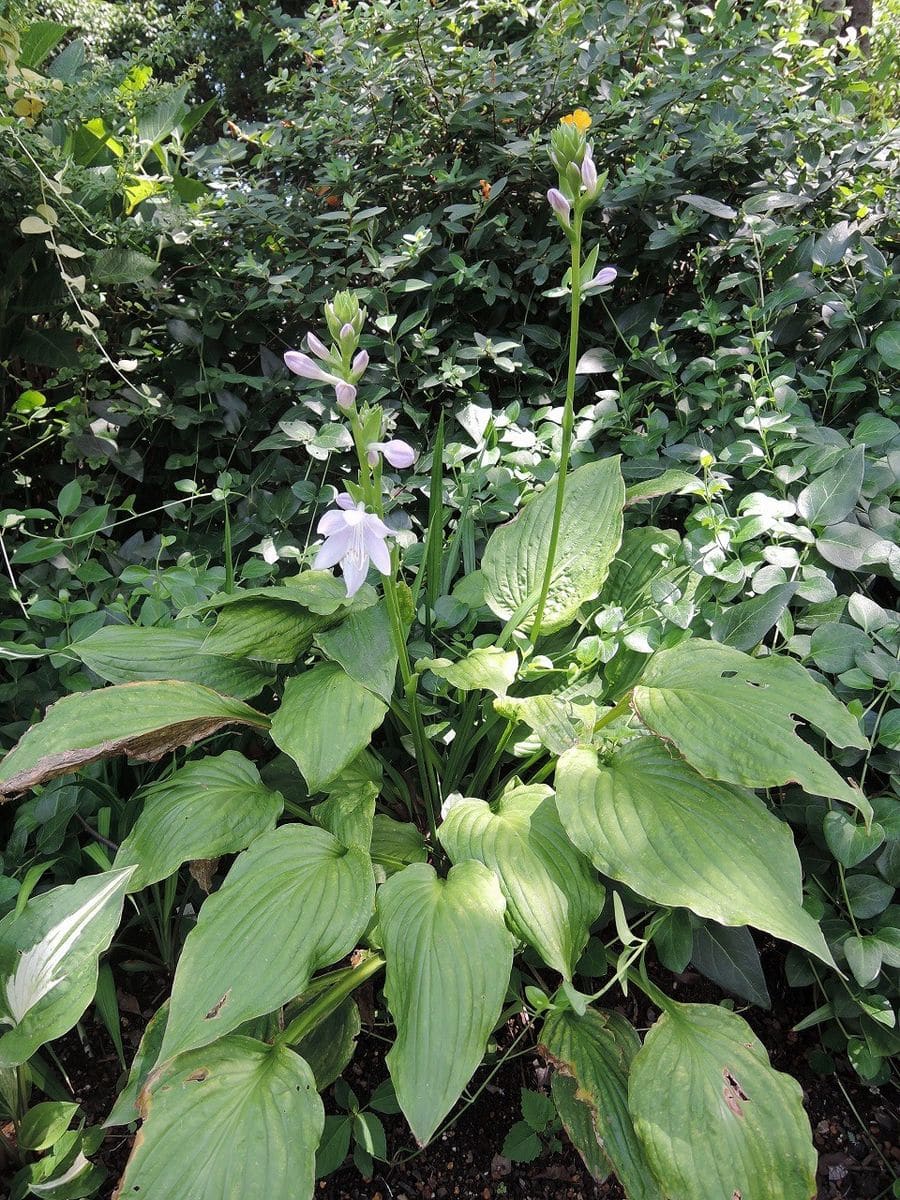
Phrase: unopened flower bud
x=603 y=278
x=345 y=394
x=589 y=174
x=360 y=362
x=559 y=204
x=318 y=348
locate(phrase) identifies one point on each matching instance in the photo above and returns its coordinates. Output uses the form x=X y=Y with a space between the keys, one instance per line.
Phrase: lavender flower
x=604 y=277
x=301 y=364
x=318 y=348
x=398 y=454
x=588 y=173
x=559 y=204
x=354 y=538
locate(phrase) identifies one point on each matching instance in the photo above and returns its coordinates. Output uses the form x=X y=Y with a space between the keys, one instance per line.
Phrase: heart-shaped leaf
x=448 y=954
x=296 y=901
x=237 y=1118
x=645 y=817
x=713 y=1117
x=552 y=895
x=589 y=535
x=699 y=686
x=213 y=806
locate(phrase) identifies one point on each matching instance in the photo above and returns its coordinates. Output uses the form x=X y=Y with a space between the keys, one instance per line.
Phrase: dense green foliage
x=180 y=194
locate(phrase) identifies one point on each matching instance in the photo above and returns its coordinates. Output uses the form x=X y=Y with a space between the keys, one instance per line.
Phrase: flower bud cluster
x=344 y=363
x=573 y=157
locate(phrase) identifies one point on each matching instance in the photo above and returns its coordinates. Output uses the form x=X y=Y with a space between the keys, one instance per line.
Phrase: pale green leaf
x=396 y=844
x=552 y=895
x=126 y=653
x=238 y=1118
x=325 y=720
x=44 y=1124
x=731 y=717
x=118 y=265
x=489 y=669
x=296 y=901
x=448 y=955
x=49 y=955
x=214 y=806
x=593 y=1055
x=744 y=625
x=832 y=496
x=556 y=722
x=724 y=1124
x=589 y=535
x=143 y=720
x=363 y=646
x=647 y=819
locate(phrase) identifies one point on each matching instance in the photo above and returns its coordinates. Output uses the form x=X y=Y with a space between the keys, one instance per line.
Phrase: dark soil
x=855 y=1127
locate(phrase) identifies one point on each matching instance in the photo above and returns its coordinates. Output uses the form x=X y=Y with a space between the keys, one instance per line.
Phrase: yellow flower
x=580 y=118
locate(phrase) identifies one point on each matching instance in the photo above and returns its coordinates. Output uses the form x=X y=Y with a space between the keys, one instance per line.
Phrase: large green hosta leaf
x=235 y=1119
x=296 y=901
x=714 y=1118
x=143 y=720
x=593 y=1055
x=448 y=955
x=126 y=653
x=589 y=535
x=552 y=895
x=325 y=720
x=643 y=816
x=363 y=646
x=274 y=624
x=213 y=806
x=730 y=715
x=48 y=960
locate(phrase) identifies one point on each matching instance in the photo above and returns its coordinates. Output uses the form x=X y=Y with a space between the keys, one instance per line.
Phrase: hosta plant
x=459 y=818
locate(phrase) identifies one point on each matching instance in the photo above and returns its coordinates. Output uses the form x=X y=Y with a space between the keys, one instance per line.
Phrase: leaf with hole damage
x=238 y=1118
x=725 y=1124
x=216 y=805
x=143 y=720
x=49 y=954
x=448 y=954
x=592 y=1055
x=589 y=535
x=296 y=901
x=645 y=817
x=552 y=894
x=730 y=715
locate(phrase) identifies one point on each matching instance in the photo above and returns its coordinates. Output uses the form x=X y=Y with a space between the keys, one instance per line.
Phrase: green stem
x=623 y=706
x=568 y=424
x=326 y=1002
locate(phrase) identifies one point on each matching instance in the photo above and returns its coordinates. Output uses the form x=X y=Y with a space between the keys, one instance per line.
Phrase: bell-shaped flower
x=398 y=454
x=354 y=538
x=301 y=364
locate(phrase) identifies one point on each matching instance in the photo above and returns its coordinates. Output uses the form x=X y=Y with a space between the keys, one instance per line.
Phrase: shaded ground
x=855 y=1127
